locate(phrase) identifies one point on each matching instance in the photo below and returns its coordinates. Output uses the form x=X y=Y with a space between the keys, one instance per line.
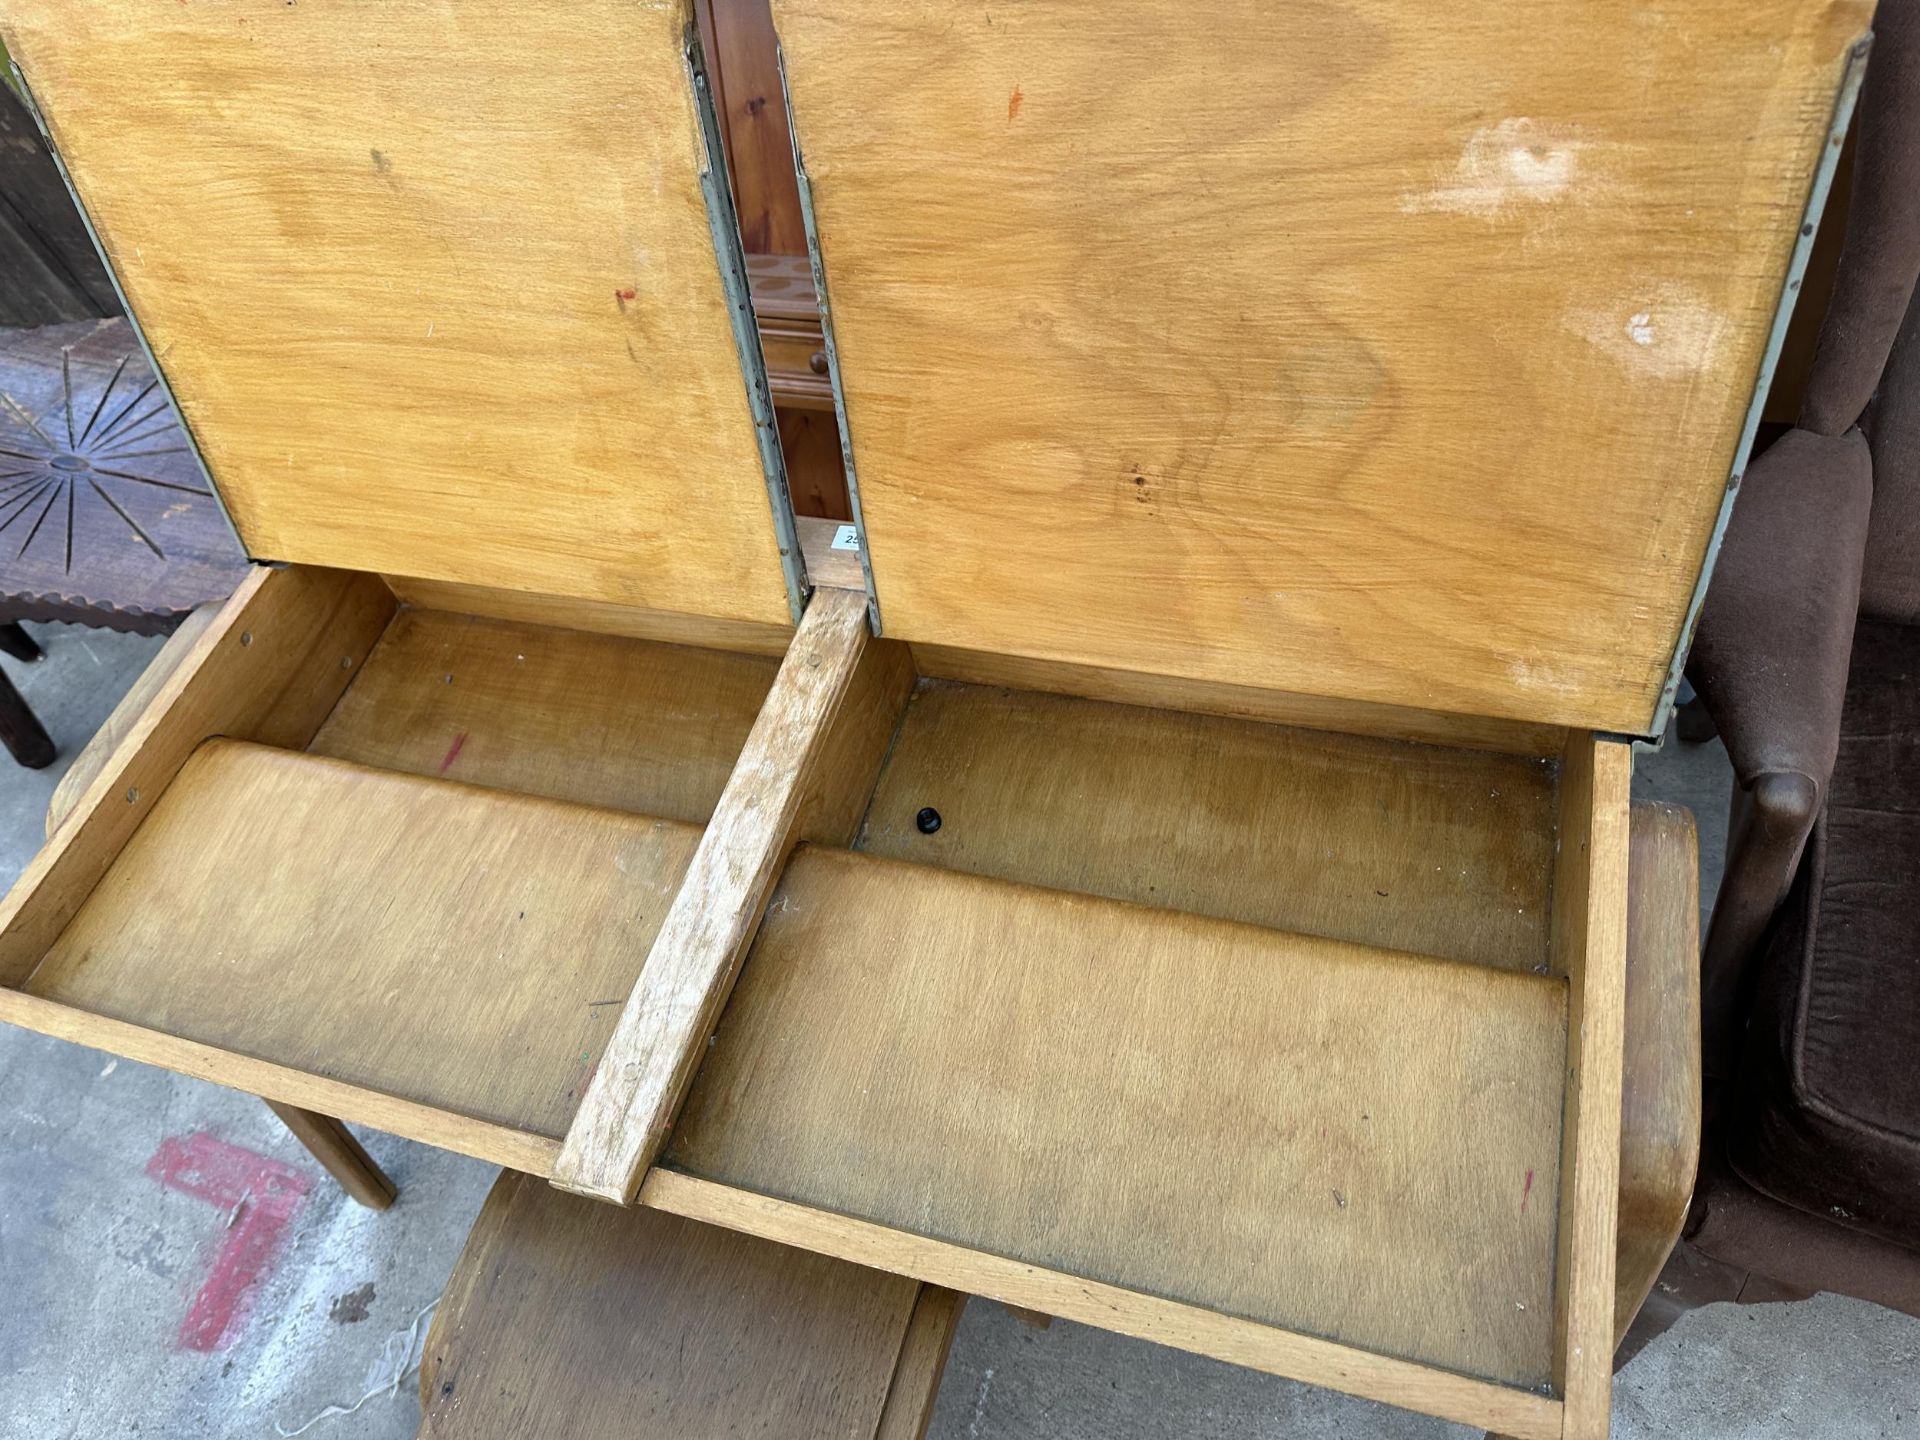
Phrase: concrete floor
x=101 y=1264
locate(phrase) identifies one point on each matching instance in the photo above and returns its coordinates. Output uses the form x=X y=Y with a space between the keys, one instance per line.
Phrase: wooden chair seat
x=566 y=1319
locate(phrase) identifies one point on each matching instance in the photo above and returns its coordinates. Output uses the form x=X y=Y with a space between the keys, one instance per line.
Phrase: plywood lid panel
x=1343 y=350
x=434 y=284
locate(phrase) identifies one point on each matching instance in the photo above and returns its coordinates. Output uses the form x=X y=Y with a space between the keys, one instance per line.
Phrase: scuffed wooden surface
x=1335 y=1140
x=600 y=720
x=434 y=284
x=564 y=1319
x=1409 y=847
x=660 y=1038
x=1324 y=348
x=466 y=949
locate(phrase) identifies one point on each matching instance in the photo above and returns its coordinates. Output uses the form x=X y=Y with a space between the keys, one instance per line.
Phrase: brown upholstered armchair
x=1808 y=661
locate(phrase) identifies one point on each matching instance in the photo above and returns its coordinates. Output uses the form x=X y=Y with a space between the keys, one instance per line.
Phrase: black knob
x=928 y=820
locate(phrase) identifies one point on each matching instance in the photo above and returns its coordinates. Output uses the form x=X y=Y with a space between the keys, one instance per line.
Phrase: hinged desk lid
x=433 y=283
x=1371 y=350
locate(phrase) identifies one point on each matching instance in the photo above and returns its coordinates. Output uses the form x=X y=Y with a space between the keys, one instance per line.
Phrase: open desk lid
x=1363 y=351
x=434 y=285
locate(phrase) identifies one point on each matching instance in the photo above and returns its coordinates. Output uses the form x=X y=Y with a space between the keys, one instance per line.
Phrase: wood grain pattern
x=827 y=567
x=1660 y=1102
x=1519 y=1413
x=100 y=746
x=858 y=742
x=631 y=1100
x=816 y=471
x=565 y=1319
x=923 y=1359
x=268 y=668
x=1590 y=949
x=598 y=616
x=792 y=377
x=446 y=301
x=597 y=719
x=786 y=308
x=1242 y=702
x=1660 y=1089
x=456 y=947
x=1351 y=354
x=742 y=57
x=1323 y=1137
x=1408 y=847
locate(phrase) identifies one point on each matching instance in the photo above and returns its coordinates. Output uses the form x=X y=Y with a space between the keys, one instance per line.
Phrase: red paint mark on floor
x=1013 y=103
x=453 y=752
x=1525 y=1191
x=621 y=297
x=256 y=1198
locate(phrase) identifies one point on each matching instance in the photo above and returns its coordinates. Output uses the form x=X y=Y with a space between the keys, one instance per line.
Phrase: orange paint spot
x=1013 y=103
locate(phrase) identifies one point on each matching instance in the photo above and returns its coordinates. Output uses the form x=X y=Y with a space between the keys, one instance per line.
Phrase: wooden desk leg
x=333 y=1145
x=16 y=642
x=26 y=740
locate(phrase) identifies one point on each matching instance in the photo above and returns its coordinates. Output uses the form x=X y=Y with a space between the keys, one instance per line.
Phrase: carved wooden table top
x=105 y=517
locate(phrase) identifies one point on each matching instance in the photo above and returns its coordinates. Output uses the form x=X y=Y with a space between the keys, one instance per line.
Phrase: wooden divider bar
x=623 y=1121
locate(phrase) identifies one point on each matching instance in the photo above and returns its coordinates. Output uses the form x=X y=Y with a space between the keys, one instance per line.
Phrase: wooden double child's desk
x=1171 y=874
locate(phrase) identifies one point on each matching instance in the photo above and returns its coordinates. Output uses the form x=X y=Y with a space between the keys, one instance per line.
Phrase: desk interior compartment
x=399 y=864
x=1227 y=1033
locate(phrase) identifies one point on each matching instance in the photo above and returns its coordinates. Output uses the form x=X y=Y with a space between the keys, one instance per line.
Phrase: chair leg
x=26 y=740
x=333 y=1145
x=16 y=642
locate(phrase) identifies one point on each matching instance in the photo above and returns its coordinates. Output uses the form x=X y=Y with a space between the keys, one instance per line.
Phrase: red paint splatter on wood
x=453 y=752
x=623 y=296
x=1013 y=103
x=1525 y=1191
x=258 y=1198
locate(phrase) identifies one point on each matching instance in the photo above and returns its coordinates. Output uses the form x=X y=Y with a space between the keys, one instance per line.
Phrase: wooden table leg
x=16 y=642
x=333 y=1145
x=26 y=740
